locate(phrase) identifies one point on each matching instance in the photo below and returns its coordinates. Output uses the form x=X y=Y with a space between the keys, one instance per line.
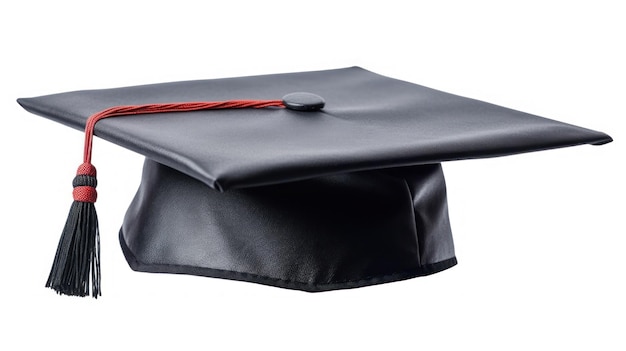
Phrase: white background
x=540 y=237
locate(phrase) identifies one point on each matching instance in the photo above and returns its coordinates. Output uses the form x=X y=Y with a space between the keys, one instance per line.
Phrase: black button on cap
x=303 y=102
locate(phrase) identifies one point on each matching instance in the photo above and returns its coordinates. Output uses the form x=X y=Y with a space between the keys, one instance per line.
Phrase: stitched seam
x=417 y=239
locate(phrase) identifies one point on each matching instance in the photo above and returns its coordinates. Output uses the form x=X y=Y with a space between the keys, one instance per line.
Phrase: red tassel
x=77 y=260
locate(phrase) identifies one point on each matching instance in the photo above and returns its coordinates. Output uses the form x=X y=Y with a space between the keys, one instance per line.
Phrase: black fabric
x=350 y=195
x=369 y=122
x=330 y=232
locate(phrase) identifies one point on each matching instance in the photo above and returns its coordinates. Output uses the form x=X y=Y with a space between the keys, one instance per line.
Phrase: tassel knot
x=85 y=188
x=86 y=169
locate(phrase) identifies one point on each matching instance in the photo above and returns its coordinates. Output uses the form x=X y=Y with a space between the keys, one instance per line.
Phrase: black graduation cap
x=312 y=181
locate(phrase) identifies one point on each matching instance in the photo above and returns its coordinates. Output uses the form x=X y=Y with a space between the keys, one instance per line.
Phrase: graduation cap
x=313 y=181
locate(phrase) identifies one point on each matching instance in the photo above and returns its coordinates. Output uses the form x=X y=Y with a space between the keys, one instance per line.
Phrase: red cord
x=170 y=107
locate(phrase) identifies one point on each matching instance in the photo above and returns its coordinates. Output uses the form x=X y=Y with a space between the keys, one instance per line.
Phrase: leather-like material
x=347 y=196
x=369 y=122
x=331 y=232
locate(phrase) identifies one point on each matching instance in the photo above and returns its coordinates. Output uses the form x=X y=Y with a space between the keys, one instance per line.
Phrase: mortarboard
x=321 y=180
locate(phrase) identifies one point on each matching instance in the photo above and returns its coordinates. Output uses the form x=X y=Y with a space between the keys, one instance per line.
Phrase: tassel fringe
x=77 y=260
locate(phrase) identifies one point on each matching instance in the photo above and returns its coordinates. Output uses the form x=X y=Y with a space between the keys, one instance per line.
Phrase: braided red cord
x=169 y=107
